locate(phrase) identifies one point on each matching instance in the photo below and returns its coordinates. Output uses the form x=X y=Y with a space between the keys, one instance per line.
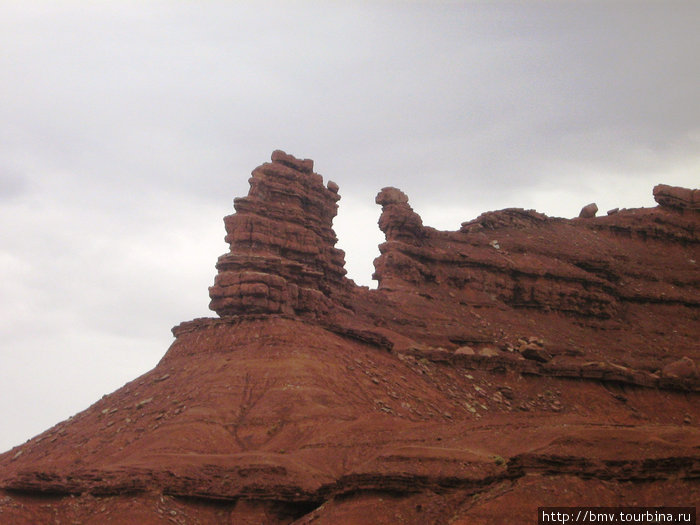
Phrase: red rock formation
x=588 y=211
x=517 y=267
x=283 y=257
x=521 y=361
x=675 y=197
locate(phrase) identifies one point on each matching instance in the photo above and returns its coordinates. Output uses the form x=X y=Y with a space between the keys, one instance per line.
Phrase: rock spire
x=283 y=257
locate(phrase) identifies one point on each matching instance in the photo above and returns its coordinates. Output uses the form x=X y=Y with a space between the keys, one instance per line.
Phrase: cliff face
x=570 y=281
x=521 y=361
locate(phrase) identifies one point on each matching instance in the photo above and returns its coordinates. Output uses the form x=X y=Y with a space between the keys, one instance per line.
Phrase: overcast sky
x=127 y=128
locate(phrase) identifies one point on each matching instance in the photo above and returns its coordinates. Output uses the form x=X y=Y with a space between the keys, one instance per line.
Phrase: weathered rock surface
x=682 y=369
x=676 y=197
x=588 y=211
x=521 y=361
x=283 y=257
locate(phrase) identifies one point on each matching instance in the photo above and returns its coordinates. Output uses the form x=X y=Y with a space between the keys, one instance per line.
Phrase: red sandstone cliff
x=521 y=361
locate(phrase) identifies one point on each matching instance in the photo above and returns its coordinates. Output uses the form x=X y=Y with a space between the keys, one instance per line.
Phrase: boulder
x=684 y=368
x=588 y=211
x=390 y=195
x=488 y=351
x=535 y=352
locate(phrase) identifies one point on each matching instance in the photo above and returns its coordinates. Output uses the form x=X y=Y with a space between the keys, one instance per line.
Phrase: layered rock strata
x=524 y=259
x=282 y=255
x=677 y=197
x=519 y=362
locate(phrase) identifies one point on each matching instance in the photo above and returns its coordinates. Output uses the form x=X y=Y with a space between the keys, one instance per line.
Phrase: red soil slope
x=522 y=361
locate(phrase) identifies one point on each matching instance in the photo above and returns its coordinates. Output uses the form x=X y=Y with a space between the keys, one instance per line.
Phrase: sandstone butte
x=519 y=362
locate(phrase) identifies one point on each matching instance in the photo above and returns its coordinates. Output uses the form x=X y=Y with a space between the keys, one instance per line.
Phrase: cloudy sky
x=126 y=129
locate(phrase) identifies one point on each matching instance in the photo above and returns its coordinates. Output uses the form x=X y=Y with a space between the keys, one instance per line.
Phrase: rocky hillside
x=521 y=361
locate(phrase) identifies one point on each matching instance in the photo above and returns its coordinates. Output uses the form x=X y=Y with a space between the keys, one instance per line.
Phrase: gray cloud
x=129 y=127
x=12 y=183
